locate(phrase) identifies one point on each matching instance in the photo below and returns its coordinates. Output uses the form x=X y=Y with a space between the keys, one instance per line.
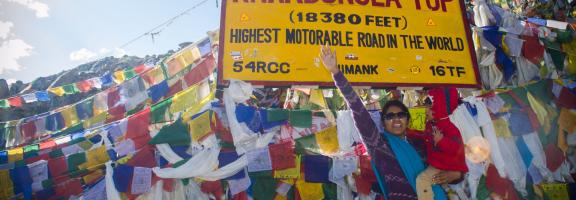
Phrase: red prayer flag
x=177 y=87
x=28 y=130
x=15 y=101
x=84 y=86
x=362 y=185
x=499 y=185
x=532 y=49
x=200 y=71
x=366 y=169
x=138 y=128
x=57 y=166
x=282 y=156
x=554 y=157
x=140 y=68
x=212 y=187
x=144 y=158
x=47 y=145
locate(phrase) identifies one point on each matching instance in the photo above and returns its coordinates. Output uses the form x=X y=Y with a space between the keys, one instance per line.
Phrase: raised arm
x=395 y=182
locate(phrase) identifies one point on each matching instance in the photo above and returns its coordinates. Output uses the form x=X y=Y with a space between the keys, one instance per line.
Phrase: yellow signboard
x=378 y=42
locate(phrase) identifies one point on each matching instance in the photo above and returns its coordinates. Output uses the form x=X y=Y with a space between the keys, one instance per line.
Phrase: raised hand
x=328 y=57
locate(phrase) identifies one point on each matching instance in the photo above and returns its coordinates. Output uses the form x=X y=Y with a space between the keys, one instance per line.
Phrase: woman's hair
x=391 y=103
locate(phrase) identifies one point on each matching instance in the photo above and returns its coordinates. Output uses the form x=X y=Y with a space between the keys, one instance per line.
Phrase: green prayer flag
x=522 y=94
x=482 y=192
x=507 y=98
x=70 y=89
x=158 y=111
x=56 y=153
x=558 y=58
x=129 y=73
x=136 y=110
x=174 y=134
x=301 y=118
x=540 y=90
x=276 y=114
x=263 y=187
x=330 y=191
x=74 y=160
x=4 y=103
x=307 y=145
x=30 y=151
x=48 y=183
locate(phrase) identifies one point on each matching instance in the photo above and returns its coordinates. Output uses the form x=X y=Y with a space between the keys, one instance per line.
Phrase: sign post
x=379 y=43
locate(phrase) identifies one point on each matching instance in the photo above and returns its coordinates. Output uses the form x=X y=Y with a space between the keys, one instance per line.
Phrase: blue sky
x=40 y=38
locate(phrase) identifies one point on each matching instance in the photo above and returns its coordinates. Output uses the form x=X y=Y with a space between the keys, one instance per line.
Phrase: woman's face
x=395 y=125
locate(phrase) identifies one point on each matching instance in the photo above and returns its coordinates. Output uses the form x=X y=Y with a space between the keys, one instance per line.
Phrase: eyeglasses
x=398 y=115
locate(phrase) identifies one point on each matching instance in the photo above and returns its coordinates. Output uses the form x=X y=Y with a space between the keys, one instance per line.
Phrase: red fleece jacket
x=448 y=153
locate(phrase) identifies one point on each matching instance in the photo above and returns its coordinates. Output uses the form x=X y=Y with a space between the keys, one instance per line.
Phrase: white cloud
x=87 y=55
x=10 y=52
x=40 y=8
x=5 y=29
x=119 y=52
x=82 y=55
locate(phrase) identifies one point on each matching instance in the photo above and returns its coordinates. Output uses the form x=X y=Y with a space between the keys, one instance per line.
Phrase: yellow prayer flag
x=95 y=157
x=555 y=190
x=15 y=154
x=567 y=120
x=119 y=77
x=290 y=173
x=191 y=111
x=97 y=119
x=184 y=99
x=501 y=128
x=89 y=178
x=280 y=197
x=317 y=97
x=417 y=118
x=58 y=91
x=70 y=116
x=153 y=76
x=200 y=127
x=327 y=140
x=7 y=189
x=196 y=53
x=309 y=190
x=188 y=57
x=540 y=111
